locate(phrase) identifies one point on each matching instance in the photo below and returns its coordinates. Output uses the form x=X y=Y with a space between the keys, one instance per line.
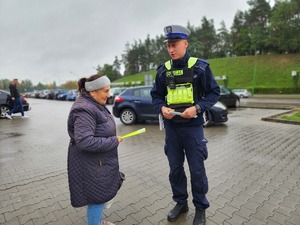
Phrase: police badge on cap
x=176 y=32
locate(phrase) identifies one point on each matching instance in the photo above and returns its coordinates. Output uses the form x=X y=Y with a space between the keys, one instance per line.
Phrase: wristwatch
x=198 y=108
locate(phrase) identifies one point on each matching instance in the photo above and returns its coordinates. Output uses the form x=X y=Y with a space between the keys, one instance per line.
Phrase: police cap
x=176 y=32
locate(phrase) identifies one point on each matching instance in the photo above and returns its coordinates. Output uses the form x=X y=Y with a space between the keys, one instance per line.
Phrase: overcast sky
x=61 y=40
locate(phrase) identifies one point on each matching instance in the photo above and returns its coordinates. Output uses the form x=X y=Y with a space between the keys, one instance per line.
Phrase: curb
x=268 y=106
x=276 y=120
x=273 y=118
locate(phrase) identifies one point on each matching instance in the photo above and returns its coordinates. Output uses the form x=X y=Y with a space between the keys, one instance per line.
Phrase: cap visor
x=174 y=39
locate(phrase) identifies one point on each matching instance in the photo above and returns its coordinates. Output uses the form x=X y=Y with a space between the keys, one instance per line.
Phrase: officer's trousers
x=189 y=142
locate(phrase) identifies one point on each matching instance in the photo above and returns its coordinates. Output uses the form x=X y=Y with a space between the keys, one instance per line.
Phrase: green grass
x=272 y=71
x=136 y=77
x=294 y=117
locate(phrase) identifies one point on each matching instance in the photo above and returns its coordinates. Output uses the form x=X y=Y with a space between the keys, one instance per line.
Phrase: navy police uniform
x=185 y=137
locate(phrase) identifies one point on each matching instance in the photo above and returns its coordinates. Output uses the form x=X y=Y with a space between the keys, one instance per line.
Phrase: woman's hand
x=120 y=139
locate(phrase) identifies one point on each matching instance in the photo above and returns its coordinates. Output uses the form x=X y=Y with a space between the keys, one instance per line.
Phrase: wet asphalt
x=253 y=170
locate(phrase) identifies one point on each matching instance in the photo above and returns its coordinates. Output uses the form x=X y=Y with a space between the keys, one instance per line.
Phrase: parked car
x=58 y=92
x=44 y=94
x=6 y=103
x=62 y=96
x=50 y=94
x=228 y=98
x=72 y=95
x=242 y=93
x=32 y=94
x=216 y=114
x=37 y=94
x=113 y=93
x=135 y=104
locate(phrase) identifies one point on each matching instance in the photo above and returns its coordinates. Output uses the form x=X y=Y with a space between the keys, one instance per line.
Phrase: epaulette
x=203 y=60
x=159 y=67
x=160 y=70
x=202 y=64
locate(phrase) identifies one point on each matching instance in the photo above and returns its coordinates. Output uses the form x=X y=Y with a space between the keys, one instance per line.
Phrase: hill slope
x=272 y=71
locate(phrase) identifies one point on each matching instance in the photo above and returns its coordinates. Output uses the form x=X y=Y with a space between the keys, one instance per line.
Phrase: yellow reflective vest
x=180 y=84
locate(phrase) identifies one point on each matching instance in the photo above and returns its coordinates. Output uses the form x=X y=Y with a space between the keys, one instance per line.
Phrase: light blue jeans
x=94 y=214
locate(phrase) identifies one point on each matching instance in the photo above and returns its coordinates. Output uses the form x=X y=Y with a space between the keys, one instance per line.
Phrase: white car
x=242 y=93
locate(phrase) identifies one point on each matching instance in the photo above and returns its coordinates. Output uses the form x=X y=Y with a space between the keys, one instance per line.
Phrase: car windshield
x=224 y=90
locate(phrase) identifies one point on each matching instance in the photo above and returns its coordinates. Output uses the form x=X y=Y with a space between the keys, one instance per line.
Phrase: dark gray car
x=135 y=104
x=6 y=103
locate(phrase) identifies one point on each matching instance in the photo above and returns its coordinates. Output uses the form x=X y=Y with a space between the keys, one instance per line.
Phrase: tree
x=257 y=21
x=54 y=85
x=223 y=44
x=109 y=71
x=208 y=38
x=130 y=59
x=259 y=29
x=117 y=64
x=196 y=46
x=26 y=86
x=4 y=84
x=240 y=38
x=284 y=28
x=160 y=53
x=40 y=86
x=69 y=85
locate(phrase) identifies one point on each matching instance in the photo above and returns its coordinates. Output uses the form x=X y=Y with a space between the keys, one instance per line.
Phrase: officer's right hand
x=166 y=112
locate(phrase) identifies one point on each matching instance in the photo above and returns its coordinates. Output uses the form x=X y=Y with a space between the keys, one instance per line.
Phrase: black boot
x=176 y=211
x=199 y=217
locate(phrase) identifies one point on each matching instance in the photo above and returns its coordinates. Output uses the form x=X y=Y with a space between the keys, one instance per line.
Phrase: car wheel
x=237 y=103
x=128 y=117
x=207 y=119
x=3 y=110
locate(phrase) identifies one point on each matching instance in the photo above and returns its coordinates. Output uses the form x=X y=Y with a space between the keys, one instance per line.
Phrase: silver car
x=242 y=93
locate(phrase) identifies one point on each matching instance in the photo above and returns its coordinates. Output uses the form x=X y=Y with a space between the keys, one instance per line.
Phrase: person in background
x=185 y=85
x=93 y=166
x=17 y=100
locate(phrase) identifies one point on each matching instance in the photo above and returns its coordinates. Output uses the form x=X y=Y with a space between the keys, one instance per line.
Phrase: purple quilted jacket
x=93 y=166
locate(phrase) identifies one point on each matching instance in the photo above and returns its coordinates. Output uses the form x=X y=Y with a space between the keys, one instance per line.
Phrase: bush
x=261 y=90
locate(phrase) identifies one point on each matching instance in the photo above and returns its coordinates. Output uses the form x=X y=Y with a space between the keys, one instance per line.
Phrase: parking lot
x=253 y=170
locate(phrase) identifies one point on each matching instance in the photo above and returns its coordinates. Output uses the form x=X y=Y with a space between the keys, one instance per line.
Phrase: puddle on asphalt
x=5 y=135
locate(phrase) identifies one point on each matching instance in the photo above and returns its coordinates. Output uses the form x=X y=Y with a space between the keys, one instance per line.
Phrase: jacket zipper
x=99 y=168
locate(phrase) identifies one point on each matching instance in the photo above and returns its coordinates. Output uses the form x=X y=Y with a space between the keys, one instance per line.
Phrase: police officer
x=184 y=88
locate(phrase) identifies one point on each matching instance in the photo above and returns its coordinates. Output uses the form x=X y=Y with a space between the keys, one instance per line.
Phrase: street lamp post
x=254 y=71
x=77 y=75
x=252 y=42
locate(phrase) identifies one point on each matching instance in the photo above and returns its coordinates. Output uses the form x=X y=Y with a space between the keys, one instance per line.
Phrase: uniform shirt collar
x=179 y=63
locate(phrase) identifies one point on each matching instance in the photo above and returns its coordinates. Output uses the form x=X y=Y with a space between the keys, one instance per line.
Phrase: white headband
x=97 y=84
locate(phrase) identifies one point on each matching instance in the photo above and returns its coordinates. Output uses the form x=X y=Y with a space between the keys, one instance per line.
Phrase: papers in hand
x=161 y=122
x=179 y=114
x=175 y=113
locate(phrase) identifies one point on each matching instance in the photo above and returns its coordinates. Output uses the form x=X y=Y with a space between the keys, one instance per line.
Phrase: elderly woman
x=93 y=166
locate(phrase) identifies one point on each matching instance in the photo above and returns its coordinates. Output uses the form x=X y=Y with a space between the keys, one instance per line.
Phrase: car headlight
x=220 y=105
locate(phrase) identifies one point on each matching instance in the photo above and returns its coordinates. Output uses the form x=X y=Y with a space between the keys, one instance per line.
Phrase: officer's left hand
x=190 y=112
